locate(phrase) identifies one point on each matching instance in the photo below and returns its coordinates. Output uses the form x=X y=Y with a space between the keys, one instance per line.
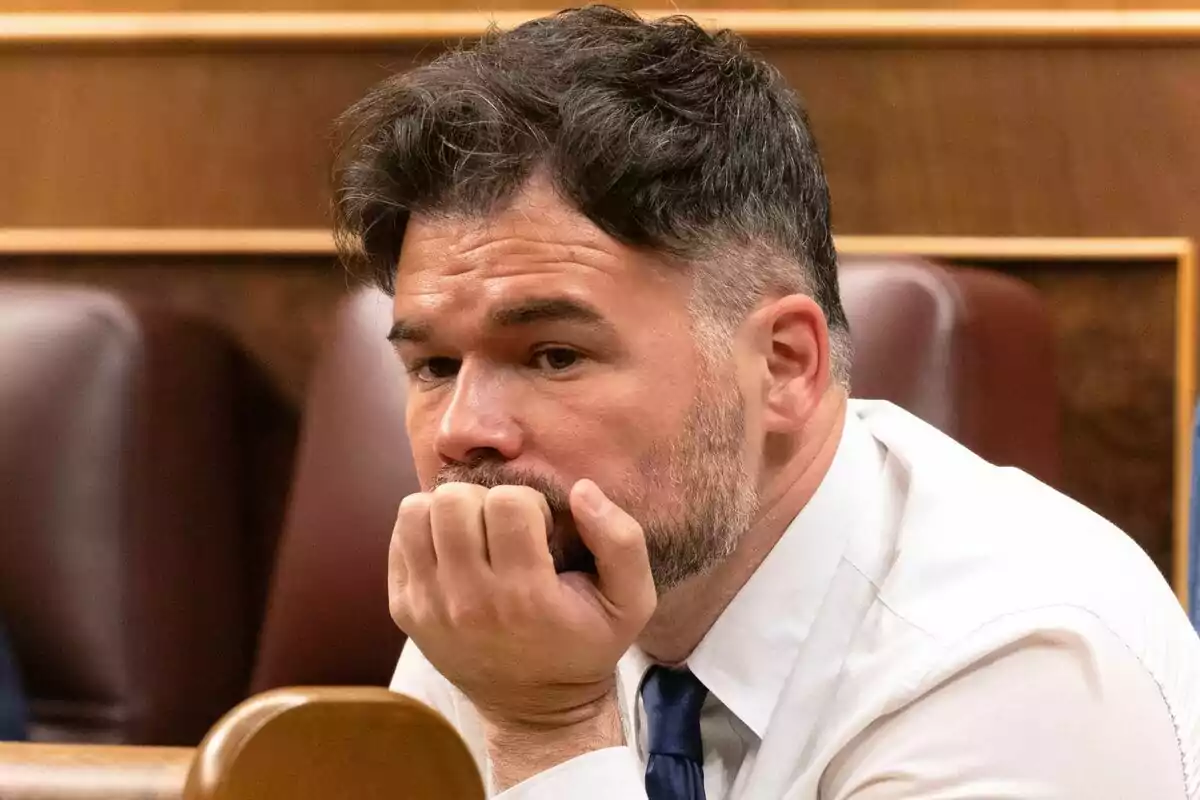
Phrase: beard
x=691 y=494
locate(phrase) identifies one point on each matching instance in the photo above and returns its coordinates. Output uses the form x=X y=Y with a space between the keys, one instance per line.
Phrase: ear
x=793 y=342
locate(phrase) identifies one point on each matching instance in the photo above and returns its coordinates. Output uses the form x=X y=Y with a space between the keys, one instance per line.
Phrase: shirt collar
x=748 y=654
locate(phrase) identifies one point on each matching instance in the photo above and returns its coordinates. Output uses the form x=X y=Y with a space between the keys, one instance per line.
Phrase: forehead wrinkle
x=436 y=293
x=440 y=304
x=456 y=269
x=521 y=250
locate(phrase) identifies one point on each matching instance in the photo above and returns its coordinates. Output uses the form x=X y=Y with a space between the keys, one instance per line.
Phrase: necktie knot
x=673 y=700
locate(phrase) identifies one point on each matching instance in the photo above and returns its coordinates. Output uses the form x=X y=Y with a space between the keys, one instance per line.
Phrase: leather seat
x=327 y=619
x=121 y=525
x=969 y=351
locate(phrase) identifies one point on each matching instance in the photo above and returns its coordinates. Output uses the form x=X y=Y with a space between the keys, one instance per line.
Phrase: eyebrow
x=527 y=312
x=402 y=331
x=549 y=309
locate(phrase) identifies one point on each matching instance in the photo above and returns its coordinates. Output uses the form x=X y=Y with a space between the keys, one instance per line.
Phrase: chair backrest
x=327 y=619
x=969 y=351
x=120 y=532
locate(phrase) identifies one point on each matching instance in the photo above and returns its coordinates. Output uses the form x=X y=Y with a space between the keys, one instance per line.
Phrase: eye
x=432 y=370
x=556 y=359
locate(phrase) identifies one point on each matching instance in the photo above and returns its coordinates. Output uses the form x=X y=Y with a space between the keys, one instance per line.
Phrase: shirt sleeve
x=415 y=677
x=614 y=773
x=1050 y=717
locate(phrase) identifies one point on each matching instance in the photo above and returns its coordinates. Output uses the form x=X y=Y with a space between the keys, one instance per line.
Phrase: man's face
x=541 y=351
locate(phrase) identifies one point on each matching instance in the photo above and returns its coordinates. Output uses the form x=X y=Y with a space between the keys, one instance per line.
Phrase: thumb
x=619 y=545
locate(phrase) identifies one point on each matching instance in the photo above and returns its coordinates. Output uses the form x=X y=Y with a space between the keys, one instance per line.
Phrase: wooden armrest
x=92 y=772
x=289 y=744
x=358 y=743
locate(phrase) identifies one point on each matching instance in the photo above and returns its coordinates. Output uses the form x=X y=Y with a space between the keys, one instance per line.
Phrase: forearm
x=520 y=750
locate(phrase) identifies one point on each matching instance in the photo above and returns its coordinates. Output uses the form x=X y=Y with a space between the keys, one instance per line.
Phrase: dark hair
x=665 y=136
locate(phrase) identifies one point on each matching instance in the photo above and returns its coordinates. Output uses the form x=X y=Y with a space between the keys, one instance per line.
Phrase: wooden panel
x=1063 y=138
x=549 y=5
x=1047 y=141
x=110 y=138
x=756 y=22
x=1115 y=325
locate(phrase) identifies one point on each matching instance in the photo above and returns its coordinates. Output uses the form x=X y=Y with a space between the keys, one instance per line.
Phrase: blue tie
x=675 y=768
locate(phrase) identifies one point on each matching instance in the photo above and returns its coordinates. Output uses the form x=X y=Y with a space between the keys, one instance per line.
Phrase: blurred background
x=201 y=441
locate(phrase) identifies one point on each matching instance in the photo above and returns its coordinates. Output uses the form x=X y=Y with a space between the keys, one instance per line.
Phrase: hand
x=473 y=583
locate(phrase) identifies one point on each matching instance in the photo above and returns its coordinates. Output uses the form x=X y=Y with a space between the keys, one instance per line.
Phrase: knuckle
x=450 y=496
x=446 y=492
x=415 y=503
x=508 y=500
x=458 y=489
x=445 y=500
x=412 y=508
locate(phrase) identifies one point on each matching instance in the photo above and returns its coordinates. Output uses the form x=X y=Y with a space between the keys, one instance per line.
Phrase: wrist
x=521 y=748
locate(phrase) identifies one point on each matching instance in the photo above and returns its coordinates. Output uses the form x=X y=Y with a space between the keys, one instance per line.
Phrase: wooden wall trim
x=164 y=241
x=1018 y=248
x=347 y=28
x=302 y=242
x=1186 y=287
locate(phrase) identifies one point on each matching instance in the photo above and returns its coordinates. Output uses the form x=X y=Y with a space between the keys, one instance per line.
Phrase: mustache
x=490 y=475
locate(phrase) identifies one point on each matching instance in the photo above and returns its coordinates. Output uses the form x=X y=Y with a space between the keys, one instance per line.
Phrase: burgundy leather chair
x=327 y=620
x=969 y=351
x=122 y=571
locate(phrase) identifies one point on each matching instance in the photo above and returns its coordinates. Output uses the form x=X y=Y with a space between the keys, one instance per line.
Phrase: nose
x=479 y=423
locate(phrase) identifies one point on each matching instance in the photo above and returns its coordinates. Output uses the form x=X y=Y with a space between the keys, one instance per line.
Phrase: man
x=659 y=552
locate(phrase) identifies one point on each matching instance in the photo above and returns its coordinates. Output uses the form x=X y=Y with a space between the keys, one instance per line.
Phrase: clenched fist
x=473 y=583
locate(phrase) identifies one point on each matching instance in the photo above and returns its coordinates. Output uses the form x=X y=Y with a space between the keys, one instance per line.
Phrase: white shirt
x=929 y=626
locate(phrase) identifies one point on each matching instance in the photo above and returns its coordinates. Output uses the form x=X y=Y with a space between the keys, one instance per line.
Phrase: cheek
x=421 y=422
x=607 y=430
